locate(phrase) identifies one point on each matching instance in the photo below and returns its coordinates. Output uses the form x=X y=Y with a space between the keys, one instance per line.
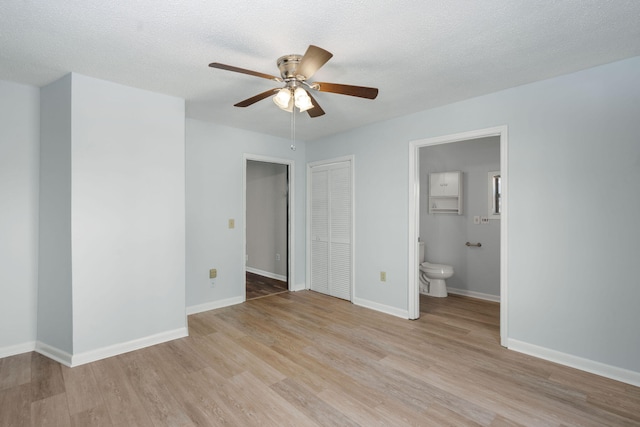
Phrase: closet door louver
x=331 y=216
x=320 y=231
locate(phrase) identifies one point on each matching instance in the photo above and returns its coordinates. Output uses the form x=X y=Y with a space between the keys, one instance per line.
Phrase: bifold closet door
x=331 y=253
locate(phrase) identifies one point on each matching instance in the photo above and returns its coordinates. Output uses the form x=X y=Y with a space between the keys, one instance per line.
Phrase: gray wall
x=215 y=180
x=55 y=302
x=19 y=152
x=476 y=270
x=112 y=222
x=128 y=220
x=266 y=207
x=574 y=173
x=570 y=138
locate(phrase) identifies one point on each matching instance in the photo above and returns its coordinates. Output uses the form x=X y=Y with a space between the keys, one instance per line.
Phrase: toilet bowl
x=433 y=276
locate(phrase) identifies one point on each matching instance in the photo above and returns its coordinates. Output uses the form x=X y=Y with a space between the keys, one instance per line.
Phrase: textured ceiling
x=419 y=53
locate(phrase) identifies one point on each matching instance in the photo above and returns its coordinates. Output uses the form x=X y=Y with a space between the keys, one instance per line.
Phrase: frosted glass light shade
x=303 y=101
x=282 y=98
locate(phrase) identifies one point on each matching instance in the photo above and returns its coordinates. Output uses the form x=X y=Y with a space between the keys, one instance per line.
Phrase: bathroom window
x=495 y=195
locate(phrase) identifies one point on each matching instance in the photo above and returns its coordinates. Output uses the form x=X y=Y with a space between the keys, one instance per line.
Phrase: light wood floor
x=305 y=359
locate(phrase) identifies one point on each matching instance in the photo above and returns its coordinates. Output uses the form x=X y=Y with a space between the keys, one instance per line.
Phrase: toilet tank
x=421 y=252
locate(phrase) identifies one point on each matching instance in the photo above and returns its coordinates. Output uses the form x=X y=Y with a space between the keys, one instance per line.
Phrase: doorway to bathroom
x=473 y=240
x=268 y=231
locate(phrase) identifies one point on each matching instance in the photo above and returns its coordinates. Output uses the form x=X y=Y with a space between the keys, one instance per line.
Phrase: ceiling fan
x=295 y=71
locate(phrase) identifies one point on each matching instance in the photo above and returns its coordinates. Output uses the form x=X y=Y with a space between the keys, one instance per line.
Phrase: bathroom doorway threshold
x=414 y=217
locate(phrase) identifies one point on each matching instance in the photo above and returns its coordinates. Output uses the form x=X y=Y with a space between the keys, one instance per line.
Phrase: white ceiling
x=419 y=53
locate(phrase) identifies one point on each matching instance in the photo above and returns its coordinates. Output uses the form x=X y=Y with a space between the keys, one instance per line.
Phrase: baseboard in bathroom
x=472 y=294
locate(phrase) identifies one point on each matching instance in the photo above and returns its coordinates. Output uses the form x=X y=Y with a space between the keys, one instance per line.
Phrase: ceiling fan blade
x=244 y=71
x=254 y=99
x=359 y=91
x=316 y=111
x=314 y=58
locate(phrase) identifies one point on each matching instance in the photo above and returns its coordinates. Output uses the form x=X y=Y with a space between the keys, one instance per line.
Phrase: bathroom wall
x=267 y=219
x=477 y=270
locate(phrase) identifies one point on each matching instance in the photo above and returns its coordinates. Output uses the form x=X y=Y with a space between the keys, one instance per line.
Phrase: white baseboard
x=71 y=361
x=266 y=274
x=608 y=371
x=137 y=344
x=298 y=287
x=381 y=307
x=13 y=350
x=212 y=305
x=472 y=294
x=54 y=353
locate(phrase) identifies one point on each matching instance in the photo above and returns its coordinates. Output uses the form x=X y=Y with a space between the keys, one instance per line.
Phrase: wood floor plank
x=121 y=400
x=94 y=417
x=153 y=390
x=15 y=406
x=82 y=389
x=357 y=410
x=307 y=401
x=15 y=371
x=244 y=360
x=266 y=407
x=51 y=411
x=208 y=400
x=46 y=377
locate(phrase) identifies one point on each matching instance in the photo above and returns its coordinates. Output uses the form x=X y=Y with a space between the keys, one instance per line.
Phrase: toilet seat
x=436 y=268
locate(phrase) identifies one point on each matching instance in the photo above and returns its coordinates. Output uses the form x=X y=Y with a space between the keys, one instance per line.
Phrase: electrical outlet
x=383 y=276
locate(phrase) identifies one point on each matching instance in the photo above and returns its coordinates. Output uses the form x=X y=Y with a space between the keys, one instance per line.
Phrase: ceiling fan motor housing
x=287 y=65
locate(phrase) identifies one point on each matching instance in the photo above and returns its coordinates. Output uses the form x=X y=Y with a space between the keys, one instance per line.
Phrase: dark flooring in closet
x=260 y=286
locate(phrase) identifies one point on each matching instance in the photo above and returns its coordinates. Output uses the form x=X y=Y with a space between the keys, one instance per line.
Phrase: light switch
x=213 y=273
x=232 y=223
x=476 y=219
x=383 y=276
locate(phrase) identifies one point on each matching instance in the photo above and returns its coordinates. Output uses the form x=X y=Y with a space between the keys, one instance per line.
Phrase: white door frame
x=291 y=212
x=351 y=160
x=414 y=216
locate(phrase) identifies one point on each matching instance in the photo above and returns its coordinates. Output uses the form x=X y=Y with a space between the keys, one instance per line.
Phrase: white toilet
x=433 y=276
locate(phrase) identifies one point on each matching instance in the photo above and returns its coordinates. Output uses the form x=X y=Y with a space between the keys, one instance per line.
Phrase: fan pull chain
x=293 y=130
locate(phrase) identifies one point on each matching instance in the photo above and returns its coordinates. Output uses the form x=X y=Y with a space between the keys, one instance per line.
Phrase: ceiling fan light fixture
x=303 y=101
x=282 y=98
x=295 y=71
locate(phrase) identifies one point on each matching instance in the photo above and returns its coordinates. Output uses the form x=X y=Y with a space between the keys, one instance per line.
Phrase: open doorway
x=415 y=203
x=267 y=226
